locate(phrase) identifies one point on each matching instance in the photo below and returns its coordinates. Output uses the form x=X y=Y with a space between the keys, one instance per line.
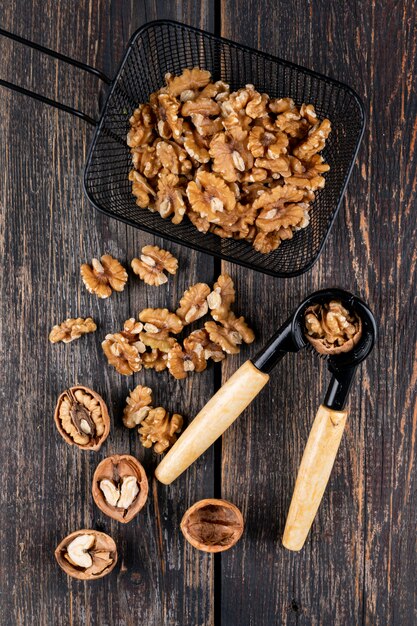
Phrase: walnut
x=281 y=207
x=233 y=109
x=230 y=154
x=190 y=80
x=331 y=328
x=156 y=341
x=196 y=146
x=206 y=126
x=212 y=525
x=146 y=160
x=228 y=339
x=222 y=296
x=289 y=119
x=314 y=142
x=173 y=157
x=152 y=263
x=257 y=105
x=120 y=487
x=141 y=126
x=266 y=242
x=204 y=106
x=155 y=359
x=82 y=418
x=180 y=362
x=159 y=429
x=157 y=320
x=237 y=324
x=87 y=554
x=263 y=143
x=102 y=277
x=72 y=328
x=193 y=304
x=138 y=405
x=170 y=200
x=201 y=223
x=199 y=343
x=169 y=123
x=142 y=190
x=209 y=195
x=123 y=355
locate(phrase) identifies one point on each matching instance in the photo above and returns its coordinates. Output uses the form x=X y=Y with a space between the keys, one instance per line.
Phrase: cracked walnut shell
x=152 y=264
x=331 y=328
x=82 y=418
x=193 y=304
x=87 y=554
x=72 y=328
x=101 y=277
x=159 y=429
x=120 y=487
x=212 y=525
x=138 y=405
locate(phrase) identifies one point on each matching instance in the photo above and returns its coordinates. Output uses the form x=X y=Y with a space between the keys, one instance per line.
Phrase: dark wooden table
x=359 y=563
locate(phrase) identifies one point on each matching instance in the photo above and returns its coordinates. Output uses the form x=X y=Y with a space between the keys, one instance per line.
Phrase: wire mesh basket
x=166 y=46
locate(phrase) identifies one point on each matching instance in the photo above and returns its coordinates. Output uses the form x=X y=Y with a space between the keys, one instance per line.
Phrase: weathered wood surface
x=358 y=565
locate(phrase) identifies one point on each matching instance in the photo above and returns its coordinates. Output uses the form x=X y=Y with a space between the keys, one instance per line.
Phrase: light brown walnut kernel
x=222 y=297
x=199 y=343
x=331 y=328
x=180 y=363
x=191 y=79
x=152 y=264
x=124 y=356
x=142 y=190
x=82 y=418
x=138 y=405
x=170 y=197
x=281 y=207
x=193 y=304
x=228 y=339
x=212 y=525
x=72 y=328
x=101 y=277
x=169 y=124
x=159 y=430
x=159 y=341
x=204 y=106
x=120 y=487
x=157 y=320
x=145 y=160
x=141 y=127
x=230 y=154
x=87 y=554
x=210 y=195
x=238 y=324
x=314 y=142
x=155 y=359
x=266 y=242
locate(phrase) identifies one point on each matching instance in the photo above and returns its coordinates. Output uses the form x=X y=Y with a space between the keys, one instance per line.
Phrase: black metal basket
x=166 y=46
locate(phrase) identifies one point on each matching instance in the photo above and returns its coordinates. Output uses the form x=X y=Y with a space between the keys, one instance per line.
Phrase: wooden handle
x=211 y=422
x=313 y=475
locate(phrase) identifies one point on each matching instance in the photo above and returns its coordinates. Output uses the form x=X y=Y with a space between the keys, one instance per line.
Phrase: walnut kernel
x=331 y=328
x=193 y=304
x=101 y=277
x=159 y=429
x=138 y=405
x=72 y=328
x=152 y=263
x=86 y=554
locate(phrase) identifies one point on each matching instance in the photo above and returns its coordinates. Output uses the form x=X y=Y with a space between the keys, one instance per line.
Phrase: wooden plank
x=357 y=566
x=47 y=230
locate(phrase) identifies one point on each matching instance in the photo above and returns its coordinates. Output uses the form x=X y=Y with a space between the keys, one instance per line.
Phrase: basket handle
x=61 y=57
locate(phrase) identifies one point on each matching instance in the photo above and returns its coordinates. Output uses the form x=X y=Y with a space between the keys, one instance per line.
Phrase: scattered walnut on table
x=82 y=418
x=159 y=429
x=212 y=525
x=222 y=297
x=193 y=304
x=120 y=487
x=87 y=554
x=123 y=350
x=331 y=328
x=104 y=276
x=72 y=328
x=156 y=359
x=152 y=264
x=228 y=339
x=138 y=405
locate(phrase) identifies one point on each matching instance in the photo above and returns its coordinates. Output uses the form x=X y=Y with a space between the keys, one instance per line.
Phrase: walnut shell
x=212 y=525
x=92 y=443
x=114 y=468
x=104 y=543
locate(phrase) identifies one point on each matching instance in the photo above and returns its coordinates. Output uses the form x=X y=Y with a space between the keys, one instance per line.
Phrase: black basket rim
x=176 y=239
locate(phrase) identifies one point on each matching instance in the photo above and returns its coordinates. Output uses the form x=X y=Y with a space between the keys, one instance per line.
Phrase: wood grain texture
x=359 y=560
x=47 y=230
x=358 y=566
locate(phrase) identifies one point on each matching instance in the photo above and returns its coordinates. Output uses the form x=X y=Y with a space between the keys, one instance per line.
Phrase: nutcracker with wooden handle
x=327 y=430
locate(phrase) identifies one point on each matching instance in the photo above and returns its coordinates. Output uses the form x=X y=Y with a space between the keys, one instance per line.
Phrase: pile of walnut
x=151 y=343
x=239 y=164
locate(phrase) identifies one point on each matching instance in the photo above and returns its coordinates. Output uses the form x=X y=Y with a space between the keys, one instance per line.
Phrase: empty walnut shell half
x=212 y=525
x=82 y=418
x=87 y=554
x=120 y=487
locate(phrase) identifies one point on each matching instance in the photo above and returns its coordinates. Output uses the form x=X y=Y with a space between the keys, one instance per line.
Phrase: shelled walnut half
x=153 y=263
x=120 y=487
x=331 y=328
x=82 y=418
x=72 y=328
x=101 y=277
x=212 y=525
x=87 y=554
x=159 y=429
